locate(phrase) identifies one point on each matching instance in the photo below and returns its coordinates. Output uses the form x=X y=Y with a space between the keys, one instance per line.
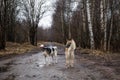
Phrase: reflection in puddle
x=40 y=65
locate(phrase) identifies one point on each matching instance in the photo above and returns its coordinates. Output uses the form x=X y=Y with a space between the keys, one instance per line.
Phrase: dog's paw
x=67 y=66
x=71 y=66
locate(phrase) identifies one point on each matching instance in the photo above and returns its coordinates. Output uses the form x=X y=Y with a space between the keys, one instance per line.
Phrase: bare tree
x=3 y=22
x=83 y=13
x=111 y=24
x=105 y=23
x=62 y=20
x=90 y=25
x=8 y=13
x=68 y=15
x=95 y=24
x=33 y=11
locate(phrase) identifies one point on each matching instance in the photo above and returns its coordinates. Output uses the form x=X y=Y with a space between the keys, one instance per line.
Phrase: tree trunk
x=83 y=15
x=3 y=25
x=111 y=25
x=102 y=22
x=62 y=23
x=2 y=38
x=105 y=36
x=110 y=35
x=36 y=35
x=101 y=15
x=105 y=25
x=69 y=33
x=90 y=25
x=32 y=36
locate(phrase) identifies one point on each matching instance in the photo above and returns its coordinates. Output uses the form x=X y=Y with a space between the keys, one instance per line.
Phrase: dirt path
x=31 y=67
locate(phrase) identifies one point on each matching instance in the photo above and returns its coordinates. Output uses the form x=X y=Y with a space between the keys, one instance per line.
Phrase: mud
x=30 y=66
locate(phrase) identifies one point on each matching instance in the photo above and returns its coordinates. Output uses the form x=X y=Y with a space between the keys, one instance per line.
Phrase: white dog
x=50 y=52
x=69 y=53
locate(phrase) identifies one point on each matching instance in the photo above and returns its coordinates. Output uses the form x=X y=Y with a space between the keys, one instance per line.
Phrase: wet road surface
x=32 y=67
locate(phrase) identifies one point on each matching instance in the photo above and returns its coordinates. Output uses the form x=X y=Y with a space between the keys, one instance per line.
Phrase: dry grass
x=93 y=52
x=16 y=48
x=97 y=53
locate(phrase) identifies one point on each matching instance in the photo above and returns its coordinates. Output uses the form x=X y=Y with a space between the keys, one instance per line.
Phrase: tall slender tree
x=90 y=25
x=3 y=22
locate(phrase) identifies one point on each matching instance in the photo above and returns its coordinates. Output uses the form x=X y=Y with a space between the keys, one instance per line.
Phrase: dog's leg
x=55 y=56
x=49 y=60
x=45 y=61
x=56 y=59
x=67 y=61
x=45 y=56
x=71 y=63
x=52 y=60
x=67 y=56
x=72 y=59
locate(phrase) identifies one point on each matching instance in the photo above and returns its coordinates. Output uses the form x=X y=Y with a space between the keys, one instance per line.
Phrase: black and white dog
x=50 y=52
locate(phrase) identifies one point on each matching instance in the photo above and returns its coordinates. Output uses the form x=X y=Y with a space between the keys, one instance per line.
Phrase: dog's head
x=42 y=47
x=68 y=44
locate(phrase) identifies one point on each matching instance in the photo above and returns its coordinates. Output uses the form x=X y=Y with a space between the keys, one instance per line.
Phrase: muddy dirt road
x=31 y=67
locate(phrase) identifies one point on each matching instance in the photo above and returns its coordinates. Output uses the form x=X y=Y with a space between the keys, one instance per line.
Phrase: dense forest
x=92 y=24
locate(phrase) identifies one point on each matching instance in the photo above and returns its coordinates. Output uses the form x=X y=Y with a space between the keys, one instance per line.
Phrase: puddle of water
x=4 y=69
x=40 y=65
x=10 y=77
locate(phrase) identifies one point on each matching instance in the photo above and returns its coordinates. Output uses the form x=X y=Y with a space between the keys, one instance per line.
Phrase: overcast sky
x=46 y=21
